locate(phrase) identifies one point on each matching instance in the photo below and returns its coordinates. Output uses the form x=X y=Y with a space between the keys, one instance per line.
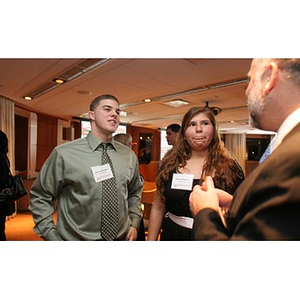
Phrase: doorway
x=21 y=145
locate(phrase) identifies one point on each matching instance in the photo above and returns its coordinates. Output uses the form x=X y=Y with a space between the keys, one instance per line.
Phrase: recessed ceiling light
x=27 y=98
x=147 y=100
x=59 y=81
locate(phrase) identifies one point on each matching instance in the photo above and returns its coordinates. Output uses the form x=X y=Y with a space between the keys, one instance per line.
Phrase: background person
x=171 y=133
x=198 y=152
x=267 y=204
x=69 y=175
x=124 y=138
x=5 y=209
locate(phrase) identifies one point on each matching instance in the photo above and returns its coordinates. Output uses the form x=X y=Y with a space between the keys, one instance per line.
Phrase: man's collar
x=95 y=143
x=289 y=123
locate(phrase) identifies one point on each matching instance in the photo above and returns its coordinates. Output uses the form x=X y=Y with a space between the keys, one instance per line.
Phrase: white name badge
x=101 y=173
x=182 y=181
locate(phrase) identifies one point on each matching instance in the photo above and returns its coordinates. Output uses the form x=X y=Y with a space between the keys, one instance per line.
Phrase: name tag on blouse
x=182 y=181
x=101 y=173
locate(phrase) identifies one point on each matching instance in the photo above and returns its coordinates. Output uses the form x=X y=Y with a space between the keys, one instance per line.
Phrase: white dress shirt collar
x=289 y=123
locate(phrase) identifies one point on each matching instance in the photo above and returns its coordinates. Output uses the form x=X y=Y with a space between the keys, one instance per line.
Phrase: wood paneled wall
x=77 y=129
x=21 y=144
x=46 y=138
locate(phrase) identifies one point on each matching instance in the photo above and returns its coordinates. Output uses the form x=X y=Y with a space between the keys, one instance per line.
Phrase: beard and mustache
x=256 y=105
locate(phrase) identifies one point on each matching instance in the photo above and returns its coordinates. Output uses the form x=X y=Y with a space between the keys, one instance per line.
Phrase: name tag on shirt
x=101 y=173
x=182 y=181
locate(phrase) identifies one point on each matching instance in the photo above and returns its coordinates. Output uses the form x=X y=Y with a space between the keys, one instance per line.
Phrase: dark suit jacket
x=266 y=206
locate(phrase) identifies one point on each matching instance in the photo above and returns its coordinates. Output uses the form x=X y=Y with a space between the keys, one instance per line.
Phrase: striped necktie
x=110 y=226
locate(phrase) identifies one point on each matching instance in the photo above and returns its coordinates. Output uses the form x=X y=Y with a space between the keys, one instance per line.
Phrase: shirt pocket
x=125 y=175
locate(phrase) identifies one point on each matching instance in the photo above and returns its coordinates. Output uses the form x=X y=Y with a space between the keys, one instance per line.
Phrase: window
x=164 y=146
x=256 y=147
x=85 y=128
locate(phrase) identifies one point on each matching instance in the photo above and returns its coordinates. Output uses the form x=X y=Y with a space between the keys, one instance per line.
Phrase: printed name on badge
x=101 y=173
x=182 y=181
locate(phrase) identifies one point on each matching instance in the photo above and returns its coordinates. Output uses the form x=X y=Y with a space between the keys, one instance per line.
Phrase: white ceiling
x=132 y=81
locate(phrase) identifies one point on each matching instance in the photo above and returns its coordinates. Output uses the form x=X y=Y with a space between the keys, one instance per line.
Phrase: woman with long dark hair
x=197 y=152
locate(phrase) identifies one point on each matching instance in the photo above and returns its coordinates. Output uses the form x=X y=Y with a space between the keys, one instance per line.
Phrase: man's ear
x=272 y=71
x=91 y=115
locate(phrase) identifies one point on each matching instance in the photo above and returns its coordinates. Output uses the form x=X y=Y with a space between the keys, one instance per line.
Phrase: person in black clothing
x=5 y=209
x=198 y=152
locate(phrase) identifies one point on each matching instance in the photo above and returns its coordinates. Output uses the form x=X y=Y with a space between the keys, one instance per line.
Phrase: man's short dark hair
x=98 y=99
x=174 y=127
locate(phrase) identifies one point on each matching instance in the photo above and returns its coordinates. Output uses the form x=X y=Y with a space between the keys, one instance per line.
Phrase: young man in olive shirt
x=68 y=177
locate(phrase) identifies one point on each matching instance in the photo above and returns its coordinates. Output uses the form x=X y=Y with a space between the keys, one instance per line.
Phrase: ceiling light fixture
x=176 y=103
x=147 y=100
x=27 y=98
x=59 y=81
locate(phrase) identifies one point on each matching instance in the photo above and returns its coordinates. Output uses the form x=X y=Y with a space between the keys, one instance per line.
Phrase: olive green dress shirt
x=67 y=177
